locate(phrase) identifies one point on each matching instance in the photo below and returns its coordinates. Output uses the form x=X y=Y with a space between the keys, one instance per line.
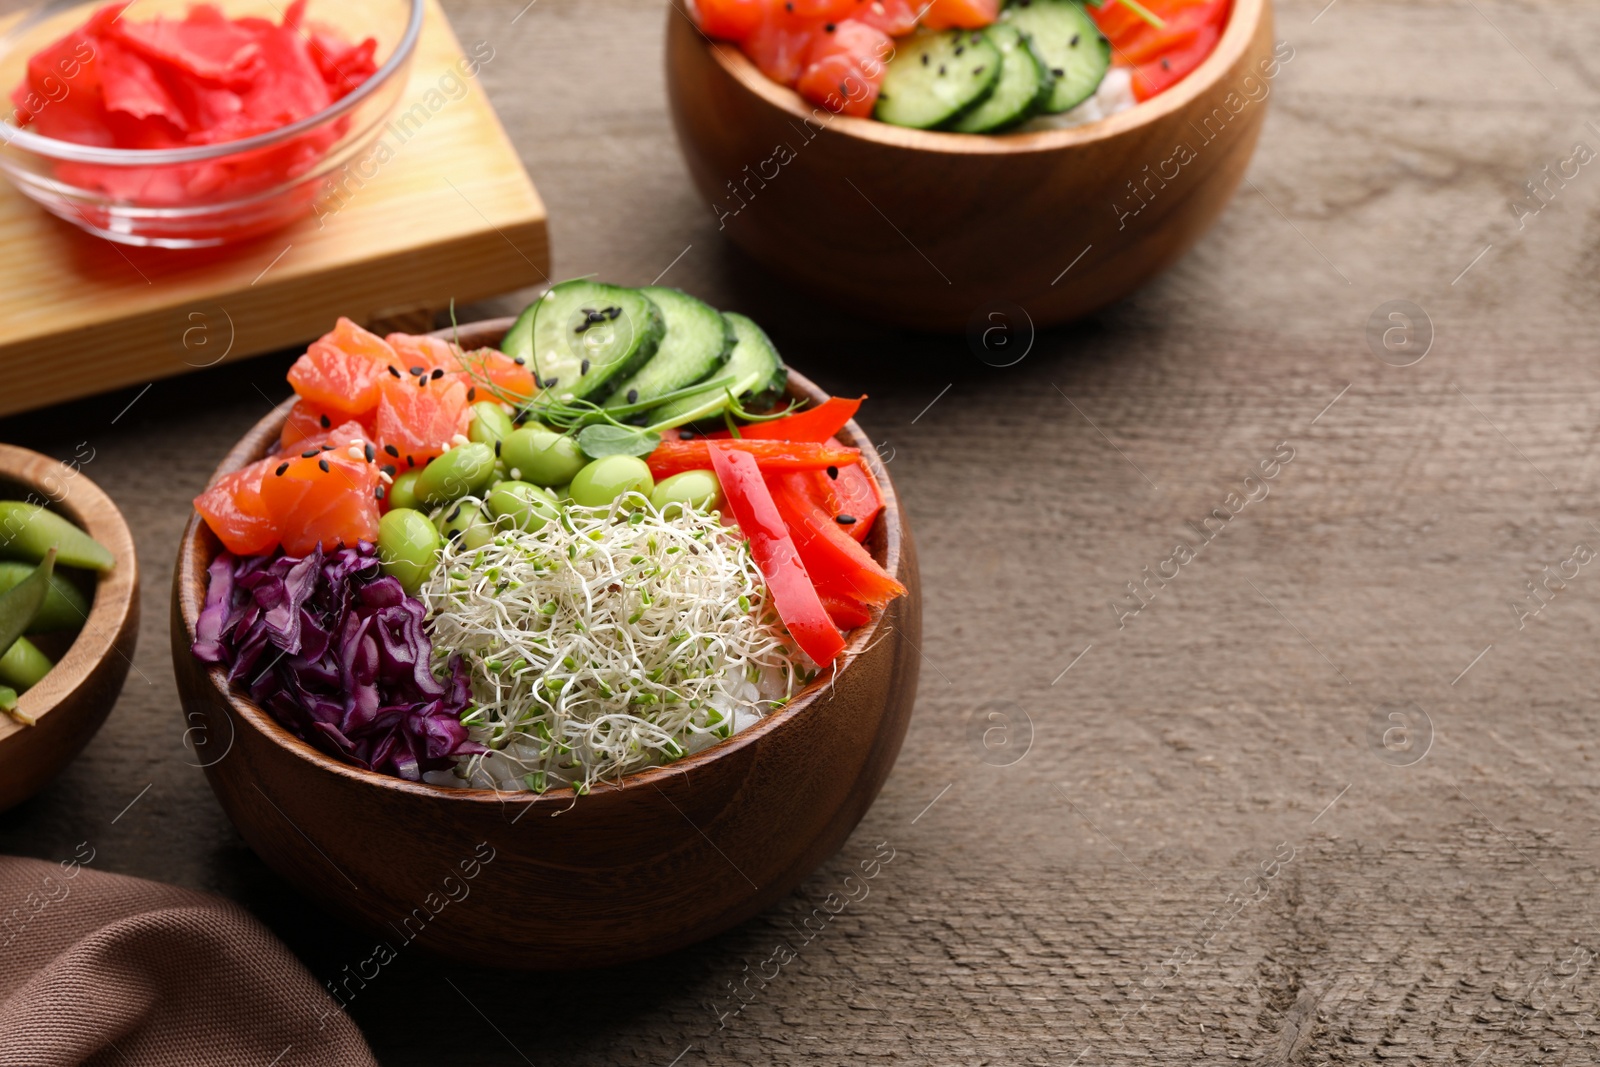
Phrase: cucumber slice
x=936 y=77
x=1024 y=85
x=1069 y=43
x=582 y=336
x=754 y=365
x=697 y=342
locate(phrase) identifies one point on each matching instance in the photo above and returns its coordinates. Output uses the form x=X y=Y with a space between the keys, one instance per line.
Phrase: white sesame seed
x=383 y=476
x=354 y=452
x=516 y=474
x=460 y=439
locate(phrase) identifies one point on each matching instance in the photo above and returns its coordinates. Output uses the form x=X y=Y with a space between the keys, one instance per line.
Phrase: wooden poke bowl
x=668 y=857
x=69 y=705
x=935 y=231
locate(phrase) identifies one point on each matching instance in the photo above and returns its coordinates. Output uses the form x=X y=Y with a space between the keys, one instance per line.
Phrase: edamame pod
x=606 y=479
x=408 y=547
x=23 y=666
x=465 y=470
x=20 y=605
x=522 y=505
x=690 y=489
x=64 y=607
x=27 y=531
x=542 y=457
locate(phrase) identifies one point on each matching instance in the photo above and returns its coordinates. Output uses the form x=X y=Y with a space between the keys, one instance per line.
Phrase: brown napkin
x=99 y=969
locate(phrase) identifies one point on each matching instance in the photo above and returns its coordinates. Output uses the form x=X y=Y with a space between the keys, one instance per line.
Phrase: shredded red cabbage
x=339 y=656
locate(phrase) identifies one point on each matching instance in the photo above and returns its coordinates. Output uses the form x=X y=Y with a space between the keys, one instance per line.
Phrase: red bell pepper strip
x=816 y=424
x=859 y=497
x=1161 y=74
x=837 y=564
x=1147 y=44
x=793 y=593
x=674 y=457
x=846 y=614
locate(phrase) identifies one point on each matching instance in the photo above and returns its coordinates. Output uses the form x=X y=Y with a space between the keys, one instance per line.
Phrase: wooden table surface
x=1327 y=796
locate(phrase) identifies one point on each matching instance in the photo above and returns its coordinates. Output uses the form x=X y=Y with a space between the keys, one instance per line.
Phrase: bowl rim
x=72 y=152
x=198 y=547
x=1244 y=19
x=98 y=515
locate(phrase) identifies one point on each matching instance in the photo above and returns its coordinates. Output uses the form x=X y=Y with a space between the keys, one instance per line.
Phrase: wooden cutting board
x=452 y=215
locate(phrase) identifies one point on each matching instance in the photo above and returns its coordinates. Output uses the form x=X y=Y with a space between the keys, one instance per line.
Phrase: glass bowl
x=206 y=195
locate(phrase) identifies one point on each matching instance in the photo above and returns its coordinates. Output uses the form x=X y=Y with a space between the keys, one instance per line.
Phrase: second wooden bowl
x=57 y=717
x=668 y=857
x=938 y=231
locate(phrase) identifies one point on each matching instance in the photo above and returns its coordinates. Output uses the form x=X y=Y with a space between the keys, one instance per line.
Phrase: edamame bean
x=563 y=492
x=465 y=522
x=27 y=531
x=465 y=470
x=541 y=457
x=524 y=506
x=606 y=479
x=23 y=666
x=691 y=489
x=403 y=493
x=408 y=547
x=490 y=423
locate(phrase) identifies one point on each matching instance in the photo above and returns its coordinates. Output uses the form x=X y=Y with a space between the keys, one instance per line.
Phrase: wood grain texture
x=57 y=717
x=436 y=210
x=628 y=871
x=1441 y=907
x=919 y=228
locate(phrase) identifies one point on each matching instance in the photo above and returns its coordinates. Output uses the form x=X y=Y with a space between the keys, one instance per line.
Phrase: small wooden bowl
x=935 y=231
x=668 y=857
x=68 y=706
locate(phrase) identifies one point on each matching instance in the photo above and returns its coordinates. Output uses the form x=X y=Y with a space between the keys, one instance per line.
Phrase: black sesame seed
x=326 y=422
x=327 y=448
x=830 y=27
x=686 y=435
x=583 y=368
x=421 y=382
x=941 y=70
x=411 y=461
x=390 y=469
x=833 y=472
x=788 y=7
x=978 y=71
x=960 y=49
x=378 y=492
x=497 y=445
x=372 y=453
x=282 y=467
x=551 y=383
x=416 y=372
x=520 y=361
x=1058 y=72
x=633 y=396
x=455 y=513
x=311 y=453
x=393 y=451
x=846 y=520
x=925 y=58
x=613 y=312
x=438 y=372
x=1165 y=65
x=394 y=370
x=324 y=465
x=472 y=393
x=1074 y=42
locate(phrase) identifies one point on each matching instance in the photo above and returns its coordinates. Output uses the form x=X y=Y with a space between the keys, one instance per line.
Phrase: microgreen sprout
x=626 y=639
